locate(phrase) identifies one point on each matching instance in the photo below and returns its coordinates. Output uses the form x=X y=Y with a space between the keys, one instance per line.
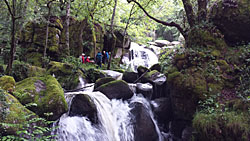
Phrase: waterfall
x=139 y=56
x=114 y=120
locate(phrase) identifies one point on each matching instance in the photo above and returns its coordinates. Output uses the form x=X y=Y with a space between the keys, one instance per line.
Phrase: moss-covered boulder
x=66 y=74
x=232 y=18
x=154 y=77
x=156 y=67
x=93 y=74
x=141 y=70
x=205 y=37
x=117 y=89
x=12 y=113
x=46 y=92
x=83 y=105
x=102 y=81
x=22 y=70
x=7 y=83
x=130 y=77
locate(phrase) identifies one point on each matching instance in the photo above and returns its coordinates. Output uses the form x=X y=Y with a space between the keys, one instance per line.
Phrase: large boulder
x=92 y=75
x=113 y=74
x=83 y=105
x=46 y=92
x=117 y=89
x=102 y=81
x=33 y=41
x=12 y=113
x=130 y=77
x=163 y=112
x=22 y=70
x=66 y=74
x=144 y=127
x=154 y=77
x=233 y=19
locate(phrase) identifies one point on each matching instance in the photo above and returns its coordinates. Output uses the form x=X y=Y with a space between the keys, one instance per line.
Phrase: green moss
x=46 y=92
x=222 y=126
x=173 y=75
x=35 y=59
x=203 y=38
x=102 y=81
x=151 y=73
x=7 y=83
x=216 y=53
x=15 y=115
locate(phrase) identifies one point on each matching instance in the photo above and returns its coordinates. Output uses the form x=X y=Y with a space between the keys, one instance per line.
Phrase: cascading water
x=115 y=120
x=139 y=56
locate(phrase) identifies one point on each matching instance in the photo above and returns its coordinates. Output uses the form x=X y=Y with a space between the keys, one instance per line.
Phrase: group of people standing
x=101 y=58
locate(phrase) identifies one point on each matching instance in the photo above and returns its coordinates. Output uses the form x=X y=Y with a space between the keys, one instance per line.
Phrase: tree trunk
x=13 y=39
x=67 y=27
x=113 y=36
x=202 y=10
x=189 y=12
x=47 y=31
x=125 y=31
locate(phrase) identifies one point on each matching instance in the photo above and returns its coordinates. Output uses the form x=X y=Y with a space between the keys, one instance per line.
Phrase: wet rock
x=163 y=112
x=130 y=77
x=145 y=89
x=117 y=89
x=114 y=74
x=141 y=70
x=156 y=67
x=83 y=105
x=154 y=77
x=102 y=81
x=144 y=128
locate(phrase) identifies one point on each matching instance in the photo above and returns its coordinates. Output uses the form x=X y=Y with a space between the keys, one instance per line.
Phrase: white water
x=140 y=56
x=114 y=119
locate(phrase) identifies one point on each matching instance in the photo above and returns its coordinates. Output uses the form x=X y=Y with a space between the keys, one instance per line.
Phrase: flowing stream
x=139 y=56
x=115 y=120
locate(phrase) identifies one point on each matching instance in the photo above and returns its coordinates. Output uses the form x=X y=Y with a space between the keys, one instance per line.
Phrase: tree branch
x=172 y=24
x=11 y=13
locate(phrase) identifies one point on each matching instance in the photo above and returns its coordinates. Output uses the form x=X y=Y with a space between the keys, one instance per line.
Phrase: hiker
x=99 y=59
x=104 y=57
x=107 y=57
x=82 y=58
x=87 y=60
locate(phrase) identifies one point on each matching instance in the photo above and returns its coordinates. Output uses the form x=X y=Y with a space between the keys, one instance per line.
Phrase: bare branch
x=173 y=24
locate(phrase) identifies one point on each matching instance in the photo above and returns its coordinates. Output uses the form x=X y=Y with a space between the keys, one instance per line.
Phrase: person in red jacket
x=87 y=59
x=83 y=59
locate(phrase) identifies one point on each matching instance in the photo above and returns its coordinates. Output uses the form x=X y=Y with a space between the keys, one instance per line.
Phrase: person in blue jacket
x=107 y=56
x=99 y=59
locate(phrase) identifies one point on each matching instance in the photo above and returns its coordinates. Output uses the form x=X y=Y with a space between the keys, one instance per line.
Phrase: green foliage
x=32 y=128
